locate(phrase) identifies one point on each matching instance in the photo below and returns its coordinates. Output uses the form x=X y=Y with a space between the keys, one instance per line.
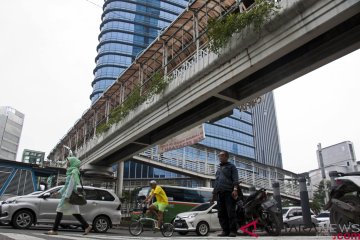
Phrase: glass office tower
x=128 y=27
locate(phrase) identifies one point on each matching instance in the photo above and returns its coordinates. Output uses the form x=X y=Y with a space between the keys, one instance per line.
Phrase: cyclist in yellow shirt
x=161 y=203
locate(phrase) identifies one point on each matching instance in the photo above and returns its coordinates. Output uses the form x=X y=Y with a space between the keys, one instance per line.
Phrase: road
x=37 y=233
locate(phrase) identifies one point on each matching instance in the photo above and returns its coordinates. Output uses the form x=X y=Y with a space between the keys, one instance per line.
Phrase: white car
x=292 y=217
x=201 y=219
x=323 y=219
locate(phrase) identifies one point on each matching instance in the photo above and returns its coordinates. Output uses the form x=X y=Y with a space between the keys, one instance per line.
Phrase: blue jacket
x=226 y=178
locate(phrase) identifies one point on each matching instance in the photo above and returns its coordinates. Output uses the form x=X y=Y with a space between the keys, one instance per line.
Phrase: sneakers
x=87 y=230
x=51 y=232
x=223 y=234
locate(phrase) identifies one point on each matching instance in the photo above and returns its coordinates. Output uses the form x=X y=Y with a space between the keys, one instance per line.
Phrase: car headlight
x=9 y=201
x=191 y=215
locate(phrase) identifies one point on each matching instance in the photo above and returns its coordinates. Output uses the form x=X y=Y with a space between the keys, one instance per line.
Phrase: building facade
x=33 y=157
x=340 y=154
x=339 y=157
x=128 y=27
x=11 y=124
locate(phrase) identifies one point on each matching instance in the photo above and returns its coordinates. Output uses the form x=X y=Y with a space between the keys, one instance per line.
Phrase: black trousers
x=226 y=212
x=59 y=216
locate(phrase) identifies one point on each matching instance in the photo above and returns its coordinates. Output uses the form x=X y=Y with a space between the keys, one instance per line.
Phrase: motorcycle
x=344 y=203
x=257 y=207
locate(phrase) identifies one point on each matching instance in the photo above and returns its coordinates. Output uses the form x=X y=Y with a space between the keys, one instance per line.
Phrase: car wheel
x=202 y=229
x=22 y=219
x=101 y=224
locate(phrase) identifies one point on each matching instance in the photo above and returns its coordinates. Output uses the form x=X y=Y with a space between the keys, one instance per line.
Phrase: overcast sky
x=47 y=52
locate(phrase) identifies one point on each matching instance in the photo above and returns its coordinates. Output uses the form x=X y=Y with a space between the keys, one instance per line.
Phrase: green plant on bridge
x=157 y=84
x=221 y=30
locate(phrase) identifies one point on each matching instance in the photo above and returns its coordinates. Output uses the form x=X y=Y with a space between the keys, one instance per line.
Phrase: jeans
x=226 y=212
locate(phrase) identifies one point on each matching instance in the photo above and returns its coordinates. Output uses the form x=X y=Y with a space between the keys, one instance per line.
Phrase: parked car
x=201 y=219
x=323 y=219
x=292 y=217
x=102 y=209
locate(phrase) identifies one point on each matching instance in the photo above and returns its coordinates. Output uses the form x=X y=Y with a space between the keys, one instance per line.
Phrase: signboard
x=187 y=138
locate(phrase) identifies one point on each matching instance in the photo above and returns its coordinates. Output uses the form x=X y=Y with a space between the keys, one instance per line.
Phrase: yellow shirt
x=160 y=195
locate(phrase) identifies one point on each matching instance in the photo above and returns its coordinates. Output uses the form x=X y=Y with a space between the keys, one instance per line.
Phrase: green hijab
x=73 y=169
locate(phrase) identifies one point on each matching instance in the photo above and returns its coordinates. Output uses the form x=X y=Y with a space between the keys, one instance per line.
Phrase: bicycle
x=137 y=226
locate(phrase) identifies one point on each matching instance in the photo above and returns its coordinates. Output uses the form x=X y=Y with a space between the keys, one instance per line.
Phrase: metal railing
x=250 y=173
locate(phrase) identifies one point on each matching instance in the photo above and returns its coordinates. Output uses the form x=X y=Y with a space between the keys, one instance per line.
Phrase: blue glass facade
x=128 y=27
x=233 y=134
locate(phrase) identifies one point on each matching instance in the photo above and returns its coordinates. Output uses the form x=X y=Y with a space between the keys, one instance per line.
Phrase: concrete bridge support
x=120 y=179
x=208 y=183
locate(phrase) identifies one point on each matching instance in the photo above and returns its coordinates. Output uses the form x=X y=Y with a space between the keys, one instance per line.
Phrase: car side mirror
x=213 y=210
x=46 y=195
x=290 y=215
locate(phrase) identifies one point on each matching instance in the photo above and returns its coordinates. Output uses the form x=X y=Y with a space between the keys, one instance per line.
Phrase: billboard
x=187 y=138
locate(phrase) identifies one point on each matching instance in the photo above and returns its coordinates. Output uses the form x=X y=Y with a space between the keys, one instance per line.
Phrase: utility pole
x=321 y=161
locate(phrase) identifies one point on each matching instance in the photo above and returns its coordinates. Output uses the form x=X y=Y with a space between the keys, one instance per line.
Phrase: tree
x=319 y=196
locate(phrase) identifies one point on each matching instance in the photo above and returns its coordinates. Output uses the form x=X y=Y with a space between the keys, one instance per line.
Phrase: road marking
x=18 y=236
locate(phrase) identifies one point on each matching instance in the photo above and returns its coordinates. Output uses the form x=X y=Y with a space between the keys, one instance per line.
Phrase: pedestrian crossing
x=79 y=236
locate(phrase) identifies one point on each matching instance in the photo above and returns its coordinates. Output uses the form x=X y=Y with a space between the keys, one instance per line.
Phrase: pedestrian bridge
x=201 y=85
x=204 y=167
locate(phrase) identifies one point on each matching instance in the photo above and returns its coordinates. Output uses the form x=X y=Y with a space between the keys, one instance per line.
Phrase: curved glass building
x=128 y=27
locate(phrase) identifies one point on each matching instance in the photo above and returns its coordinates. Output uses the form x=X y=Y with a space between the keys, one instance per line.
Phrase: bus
x=181 y=199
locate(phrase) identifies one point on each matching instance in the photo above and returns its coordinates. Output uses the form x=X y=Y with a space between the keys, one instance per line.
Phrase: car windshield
x=201 y=207
x=284 y=211
x=324 y=214
x=35 y=193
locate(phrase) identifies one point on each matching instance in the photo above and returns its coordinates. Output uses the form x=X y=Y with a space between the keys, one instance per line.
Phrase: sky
x=47 y=57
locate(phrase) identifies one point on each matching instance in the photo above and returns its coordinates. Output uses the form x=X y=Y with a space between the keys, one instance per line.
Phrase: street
x=37 y=233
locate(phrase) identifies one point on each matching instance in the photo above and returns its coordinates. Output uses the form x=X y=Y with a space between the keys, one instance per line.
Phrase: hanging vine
x=157 y=85
x=221 y=30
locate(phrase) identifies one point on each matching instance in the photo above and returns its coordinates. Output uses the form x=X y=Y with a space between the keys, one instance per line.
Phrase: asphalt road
x=37 y=233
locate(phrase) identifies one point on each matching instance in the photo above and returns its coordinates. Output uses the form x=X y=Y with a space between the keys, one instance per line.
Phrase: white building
x=11 y=123
x=339 y=157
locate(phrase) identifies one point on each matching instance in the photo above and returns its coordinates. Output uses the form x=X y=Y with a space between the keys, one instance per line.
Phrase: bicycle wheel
x=167 y=229
x=136 y=228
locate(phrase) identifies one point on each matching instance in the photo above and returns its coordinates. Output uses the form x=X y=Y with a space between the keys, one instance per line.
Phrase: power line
x=94 y=3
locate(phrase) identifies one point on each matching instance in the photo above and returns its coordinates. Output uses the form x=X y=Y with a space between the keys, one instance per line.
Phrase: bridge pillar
x=120 y=179
x=333 y=175
x=305 y=206
x=277 y=197
x=207 y=183
x=252 y=189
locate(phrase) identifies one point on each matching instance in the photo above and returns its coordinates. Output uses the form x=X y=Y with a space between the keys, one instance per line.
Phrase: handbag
x=77 y=198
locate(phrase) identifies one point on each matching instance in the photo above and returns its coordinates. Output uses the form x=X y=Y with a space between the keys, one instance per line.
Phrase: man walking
x=225 y=192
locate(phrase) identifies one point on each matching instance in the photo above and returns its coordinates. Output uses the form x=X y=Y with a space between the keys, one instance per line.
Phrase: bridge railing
x=250 y=173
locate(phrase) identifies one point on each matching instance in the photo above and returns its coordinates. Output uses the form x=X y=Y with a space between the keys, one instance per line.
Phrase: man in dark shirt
x=225 y=192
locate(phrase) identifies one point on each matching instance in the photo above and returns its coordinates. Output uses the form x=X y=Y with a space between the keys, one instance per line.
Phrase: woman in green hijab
x=64 y=207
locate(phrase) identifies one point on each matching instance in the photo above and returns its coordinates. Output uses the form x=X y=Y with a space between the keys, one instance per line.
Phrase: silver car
x=103 y=209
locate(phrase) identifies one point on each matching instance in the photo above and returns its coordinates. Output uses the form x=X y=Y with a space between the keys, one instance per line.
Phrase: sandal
x=51 y=232
x=87 y=230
